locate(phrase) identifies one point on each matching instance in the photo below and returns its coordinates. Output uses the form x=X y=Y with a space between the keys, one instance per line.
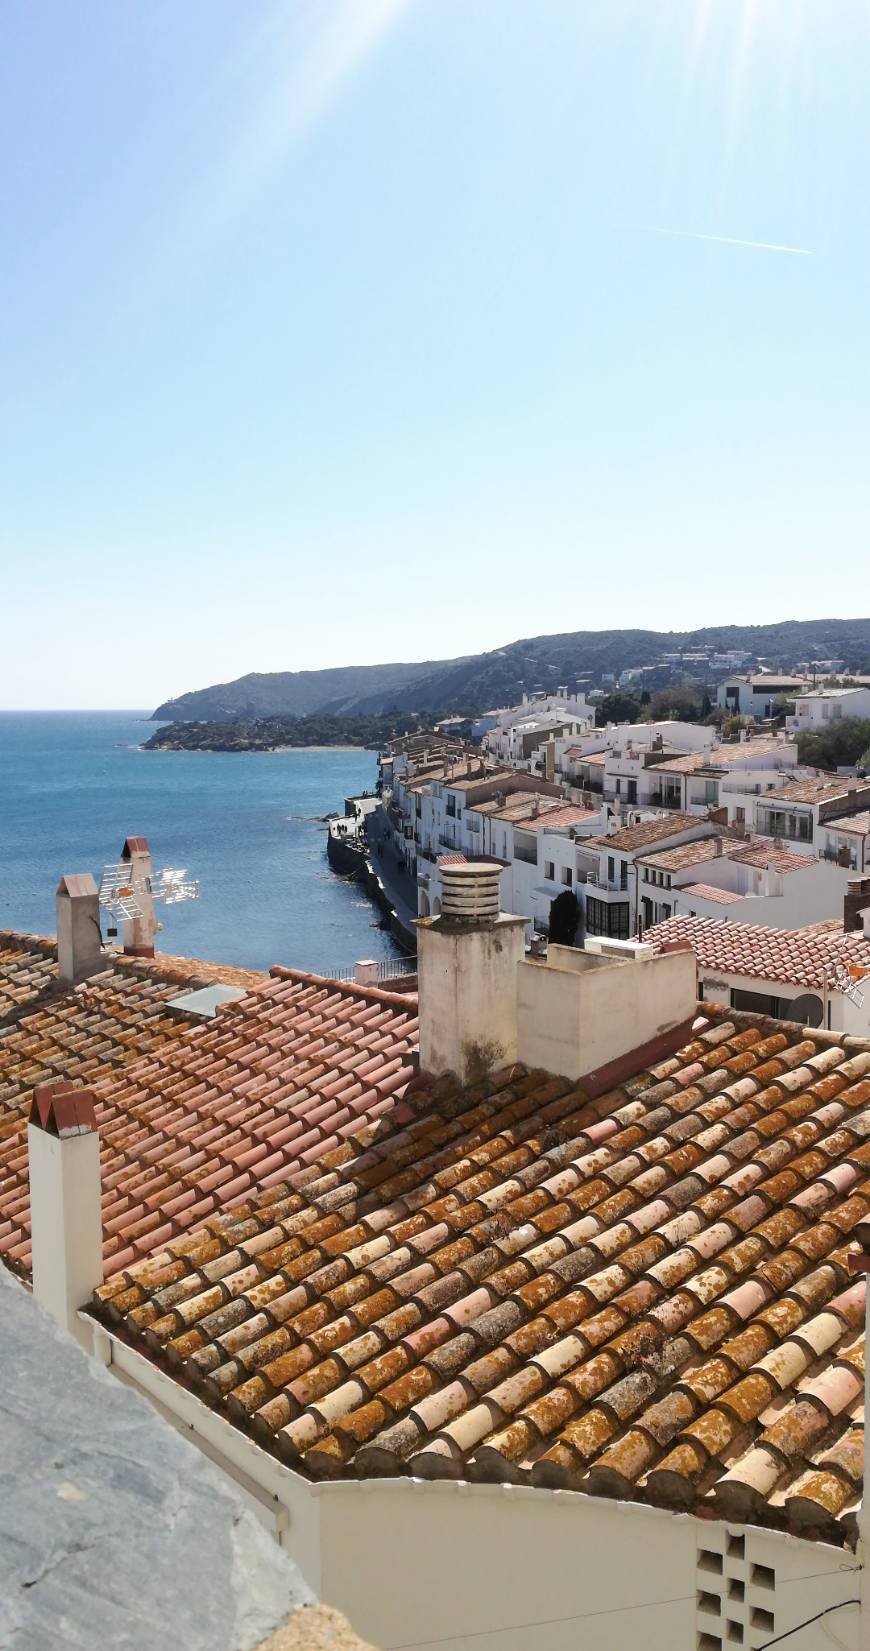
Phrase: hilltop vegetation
x=479 y=681
x=270 y=733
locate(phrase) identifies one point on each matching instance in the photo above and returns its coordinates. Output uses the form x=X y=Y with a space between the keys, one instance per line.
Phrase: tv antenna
x=124 y=891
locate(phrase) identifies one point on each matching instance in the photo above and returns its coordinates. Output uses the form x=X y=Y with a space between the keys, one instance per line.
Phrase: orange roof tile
x=707 y=891
x=210 y=1110
x=651 y=831
x=645 y=1295
x=804 y=957
x=50 y=1030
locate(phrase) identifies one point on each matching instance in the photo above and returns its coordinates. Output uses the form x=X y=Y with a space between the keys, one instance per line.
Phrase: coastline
x=242 y=750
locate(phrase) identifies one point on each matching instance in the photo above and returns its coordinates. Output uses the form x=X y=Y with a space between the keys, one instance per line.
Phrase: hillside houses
x=643 y=822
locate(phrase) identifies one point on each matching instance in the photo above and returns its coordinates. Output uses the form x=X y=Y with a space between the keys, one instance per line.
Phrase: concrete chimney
x=466 y=968
x=65 y=1214
x=856 y=905
x=139 y=932
x=365 y=972
x=79 y=942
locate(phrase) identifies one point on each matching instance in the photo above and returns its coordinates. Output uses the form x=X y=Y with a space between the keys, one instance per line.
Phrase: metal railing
x=389 y=968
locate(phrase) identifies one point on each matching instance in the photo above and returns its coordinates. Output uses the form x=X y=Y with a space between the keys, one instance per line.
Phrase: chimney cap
x=76 y=884
x=134 y=845
x=470 y=893
x=62 y=1110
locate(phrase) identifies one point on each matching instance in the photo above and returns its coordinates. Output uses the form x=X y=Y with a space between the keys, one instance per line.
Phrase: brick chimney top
x=62 y=1110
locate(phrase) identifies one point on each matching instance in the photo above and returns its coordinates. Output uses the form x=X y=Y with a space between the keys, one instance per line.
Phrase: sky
x=341 y=331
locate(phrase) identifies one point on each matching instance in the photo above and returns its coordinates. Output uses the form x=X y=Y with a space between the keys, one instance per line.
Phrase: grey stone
x=115 y=1532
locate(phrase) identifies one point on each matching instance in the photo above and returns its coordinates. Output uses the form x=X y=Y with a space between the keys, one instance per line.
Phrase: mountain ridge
x=498 y=676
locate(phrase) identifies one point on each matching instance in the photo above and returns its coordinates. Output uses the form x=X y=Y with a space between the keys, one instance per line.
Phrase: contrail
x=730 y=241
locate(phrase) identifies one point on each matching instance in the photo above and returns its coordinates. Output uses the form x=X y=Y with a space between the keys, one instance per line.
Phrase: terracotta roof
x=649 y=831
x=765 y=854
x=800 y=957
x=687 y=762
x=49 y=1030
x=688 y=854
x=707 y=891
x=818 y=790
x=644 y=1295
x=220 y=1107
x=859 y=823
x=568 y=814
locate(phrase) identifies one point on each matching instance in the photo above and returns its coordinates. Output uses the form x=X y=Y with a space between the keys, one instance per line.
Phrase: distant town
x=719 y=833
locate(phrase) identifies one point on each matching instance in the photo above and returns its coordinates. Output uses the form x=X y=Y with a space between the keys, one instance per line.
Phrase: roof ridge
x=371 y=994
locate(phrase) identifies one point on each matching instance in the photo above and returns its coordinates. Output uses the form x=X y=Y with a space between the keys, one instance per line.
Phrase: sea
x=247 y=825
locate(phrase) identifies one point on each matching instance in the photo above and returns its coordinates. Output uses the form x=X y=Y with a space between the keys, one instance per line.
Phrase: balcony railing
x=792 y=828
x=664 y=799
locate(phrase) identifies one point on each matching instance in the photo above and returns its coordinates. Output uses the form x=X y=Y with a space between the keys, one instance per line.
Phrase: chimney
x=139 y=931
x=550 y=760
x=856 y=905
x=79 y=941
x=65 y=1214
x=365 y=972
x=466 y=969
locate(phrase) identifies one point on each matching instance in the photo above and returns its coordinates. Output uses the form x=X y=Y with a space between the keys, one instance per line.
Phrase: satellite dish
x=807 y=1009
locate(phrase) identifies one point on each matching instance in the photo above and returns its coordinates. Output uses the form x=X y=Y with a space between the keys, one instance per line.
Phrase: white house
x=818 y=708
x=726 y=879
x=799 y=812
x=608 y=869
x=756 y=696
x=819 y=977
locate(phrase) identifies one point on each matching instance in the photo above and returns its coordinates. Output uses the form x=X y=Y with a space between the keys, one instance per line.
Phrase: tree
x=841 y=745
x=677 y=704
x=564 y=918
x=617 y=708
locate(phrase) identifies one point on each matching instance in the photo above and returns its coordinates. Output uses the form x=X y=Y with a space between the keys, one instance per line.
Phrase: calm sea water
x=73 y=785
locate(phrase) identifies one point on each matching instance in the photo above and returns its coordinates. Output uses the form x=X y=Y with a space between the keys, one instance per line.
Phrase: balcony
x=663 y=799
x=605 y=885
x=529 y=855
x=792 y=828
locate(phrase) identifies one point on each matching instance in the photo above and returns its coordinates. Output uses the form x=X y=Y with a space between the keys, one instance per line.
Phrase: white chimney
x=65 y=1214
x=466 y=969
x=365 y=972
x=79 y=942
x=139 y=931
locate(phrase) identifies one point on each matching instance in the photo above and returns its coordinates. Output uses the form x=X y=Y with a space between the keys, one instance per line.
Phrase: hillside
x=478 y=681
x=296 y=693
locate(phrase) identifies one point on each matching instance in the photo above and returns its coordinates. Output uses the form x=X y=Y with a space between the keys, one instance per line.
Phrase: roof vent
x=470 y=893
x=204 y=1003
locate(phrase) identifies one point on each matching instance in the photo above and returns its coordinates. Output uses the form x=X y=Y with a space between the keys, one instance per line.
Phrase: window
x=618 y=788
x=608 y=920
x=549 y=871
x=611 y=869
x=623 y=874
x=567 y=876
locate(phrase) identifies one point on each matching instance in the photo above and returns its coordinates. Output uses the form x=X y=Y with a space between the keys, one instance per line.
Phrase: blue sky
x=349 y=330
